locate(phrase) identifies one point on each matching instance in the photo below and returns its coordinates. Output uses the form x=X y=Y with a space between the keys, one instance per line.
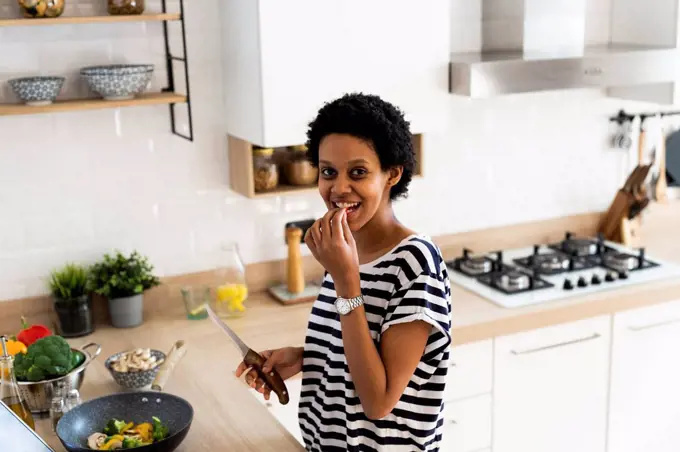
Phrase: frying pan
x=89 y=417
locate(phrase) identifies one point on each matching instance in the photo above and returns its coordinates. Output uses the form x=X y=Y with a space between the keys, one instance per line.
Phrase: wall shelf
x=167 y=96
x=88 y=20
x=241 y=174
x=92 y=104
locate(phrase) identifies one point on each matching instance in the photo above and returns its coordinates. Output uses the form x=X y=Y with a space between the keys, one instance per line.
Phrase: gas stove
x=571 y=267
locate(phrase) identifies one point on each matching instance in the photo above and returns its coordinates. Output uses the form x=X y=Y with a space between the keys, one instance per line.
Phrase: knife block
x=295 y=289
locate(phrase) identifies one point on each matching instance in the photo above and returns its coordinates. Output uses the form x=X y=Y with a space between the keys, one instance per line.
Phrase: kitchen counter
x=226 y=415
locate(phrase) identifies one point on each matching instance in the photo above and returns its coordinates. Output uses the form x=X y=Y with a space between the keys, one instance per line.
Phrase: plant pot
x=75 y=316
x=127 y=312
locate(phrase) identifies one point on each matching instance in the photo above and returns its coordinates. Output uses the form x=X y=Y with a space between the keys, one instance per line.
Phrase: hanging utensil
x=661 y=187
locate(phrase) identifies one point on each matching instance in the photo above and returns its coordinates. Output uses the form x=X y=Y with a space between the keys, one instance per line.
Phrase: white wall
x=75 y=185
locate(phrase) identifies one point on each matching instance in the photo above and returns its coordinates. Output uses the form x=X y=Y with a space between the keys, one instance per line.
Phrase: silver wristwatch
x=347 y=305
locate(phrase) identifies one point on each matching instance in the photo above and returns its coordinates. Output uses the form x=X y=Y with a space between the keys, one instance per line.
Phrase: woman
x=377 y=347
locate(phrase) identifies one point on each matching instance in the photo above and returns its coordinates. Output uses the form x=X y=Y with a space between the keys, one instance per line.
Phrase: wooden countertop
x=226 y=415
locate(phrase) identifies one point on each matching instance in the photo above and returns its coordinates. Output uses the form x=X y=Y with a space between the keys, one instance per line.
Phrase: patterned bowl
x=134 y=380
x=37 y=90
x=118 y=81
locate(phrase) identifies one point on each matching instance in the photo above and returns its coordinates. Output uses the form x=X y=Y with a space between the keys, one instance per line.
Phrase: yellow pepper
x=145 y=431
x=15 y=347
x=113 y=439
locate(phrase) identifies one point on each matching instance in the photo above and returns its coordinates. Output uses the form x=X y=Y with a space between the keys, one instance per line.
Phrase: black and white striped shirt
x=408 y=283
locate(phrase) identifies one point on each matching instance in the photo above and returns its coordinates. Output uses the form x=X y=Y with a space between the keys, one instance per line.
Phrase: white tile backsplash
x=75 y=185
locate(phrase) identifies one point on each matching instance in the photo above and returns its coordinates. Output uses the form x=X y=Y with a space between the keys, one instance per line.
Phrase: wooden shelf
x=89 y=20
x=92 y=104
x=242 y=175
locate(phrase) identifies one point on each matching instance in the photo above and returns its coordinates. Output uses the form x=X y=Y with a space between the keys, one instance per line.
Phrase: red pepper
x=31 y=334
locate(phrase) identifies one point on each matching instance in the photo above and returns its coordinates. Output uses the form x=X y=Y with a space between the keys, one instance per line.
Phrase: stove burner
x=514 y=281
x=476 y=265
x=580 y=247
x=621 y=262
x=550 y=263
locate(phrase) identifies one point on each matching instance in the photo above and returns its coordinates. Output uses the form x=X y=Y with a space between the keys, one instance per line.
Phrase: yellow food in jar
x=233 y=295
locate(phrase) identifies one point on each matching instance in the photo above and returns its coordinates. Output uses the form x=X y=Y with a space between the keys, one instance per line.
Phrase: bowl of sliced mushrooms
x=135 y=368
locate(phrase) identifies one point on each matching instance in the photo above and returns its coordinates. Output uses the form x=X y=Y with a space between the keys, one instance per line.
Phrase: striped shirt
x=408 y=283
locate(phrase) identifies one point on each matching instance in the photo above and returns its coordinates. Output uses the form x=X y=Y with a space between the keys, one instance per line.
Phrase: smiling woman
x=376 y=353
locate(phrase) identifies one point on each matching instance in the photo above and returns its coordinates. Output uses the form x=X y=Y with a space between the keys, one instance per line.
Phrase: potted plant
x=122 y=280
x=69 y=288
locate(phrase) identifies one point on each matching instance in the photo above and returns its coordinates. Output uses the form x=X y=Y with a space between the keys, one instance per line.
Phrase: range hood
x=493 y=73
x=522 y=46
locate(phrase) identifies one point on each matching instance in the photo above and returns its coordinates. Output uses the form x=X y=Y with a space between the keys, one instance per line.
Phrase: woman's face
x=350 y=176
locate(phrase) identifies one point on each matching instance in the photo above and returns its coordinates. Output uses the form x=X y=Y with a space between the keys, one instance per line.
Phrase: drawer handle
x=653 y=325
x=561 y=344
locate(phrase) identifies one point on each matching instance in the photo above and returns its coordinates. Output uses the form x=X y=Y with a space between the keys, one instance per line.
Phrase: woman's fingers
x=316 y=233
x=337 y=222
x=327 y=231
x=346 y=231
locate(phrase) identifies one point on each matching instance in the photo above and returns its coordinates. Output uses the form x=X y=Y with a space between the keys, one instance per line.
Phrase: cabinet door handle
x=653 y=325
x=561 y=344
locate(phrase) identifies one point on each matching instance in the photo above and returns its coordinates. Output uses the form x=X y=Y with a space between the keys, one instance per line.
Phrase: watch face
x=342 y=306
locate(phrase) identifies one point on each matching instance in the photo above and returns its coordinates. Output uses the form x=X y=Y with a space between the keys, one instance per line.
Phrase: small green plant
x=69 y=282
x=122 y=276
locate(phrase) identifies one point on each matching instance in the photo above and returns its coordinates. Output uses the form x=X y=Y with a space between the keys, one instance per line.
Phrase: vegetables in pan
x=119 y=434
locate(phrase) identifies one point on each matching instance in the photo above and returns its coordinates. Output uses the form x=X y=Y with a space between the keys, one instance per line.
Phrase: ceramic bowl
x=37 y=90
x=118 y=81
x=134 y=380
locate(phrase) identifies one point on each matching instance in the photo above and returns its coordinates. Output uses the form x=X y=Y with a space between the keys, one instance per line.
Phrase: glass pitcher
x=231 y=290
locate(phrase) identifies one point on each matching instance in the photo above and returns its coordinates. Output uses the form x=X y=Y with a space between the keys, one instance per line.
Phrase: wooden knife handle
x=273 y=379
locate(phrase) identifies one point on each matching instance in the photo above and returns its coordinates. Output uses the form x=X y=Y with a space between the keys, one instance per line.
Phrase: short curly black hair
x=374 y=120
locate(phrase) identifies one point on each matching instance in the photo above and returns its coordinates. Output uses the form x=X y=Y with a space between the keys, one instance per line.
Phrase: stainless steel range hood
x=488 y=74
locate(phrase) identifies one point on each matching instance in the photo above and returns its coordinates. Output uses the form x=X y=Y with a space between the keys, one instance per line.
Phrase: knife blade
x=254 y=360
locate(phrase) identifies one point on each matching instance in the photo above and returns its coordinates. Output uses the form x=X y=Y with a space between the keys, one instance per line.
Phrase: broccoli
x=130 y=443
x=160 y=431
x=48 y=357
x=114 y=427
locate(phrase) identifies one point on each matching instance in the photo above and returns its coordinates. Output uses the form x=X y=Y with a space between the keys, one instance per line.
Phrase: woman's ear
x=395 y=175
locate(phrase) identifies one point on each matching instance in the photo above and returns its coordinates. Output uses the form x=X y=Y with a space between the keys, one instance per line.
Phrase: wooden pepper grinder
x=295 y=289
x=295 y=273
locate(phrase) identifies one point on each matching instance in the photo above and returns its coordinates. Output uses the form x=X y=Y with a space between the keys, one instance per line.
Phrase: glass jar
x=58 y=403
x=265 y=171
x=298 y=169
x=231 y=290
x=125 y=7
x=9 y=388
x=41 y=8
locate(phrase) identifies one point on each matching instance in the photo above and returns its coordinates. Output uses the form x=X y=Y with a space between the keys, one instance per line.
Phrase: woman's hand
x=332 y=245
x=287 y=361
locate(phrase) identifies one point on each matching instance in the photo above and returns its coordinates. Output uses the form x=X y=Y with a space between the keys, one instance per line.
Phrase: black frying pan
x=77 y=425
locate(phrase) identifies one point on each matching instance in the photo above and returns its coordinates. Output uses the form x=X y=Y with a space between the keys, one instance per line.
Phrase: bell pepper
x=32 y=333
x=15 y=347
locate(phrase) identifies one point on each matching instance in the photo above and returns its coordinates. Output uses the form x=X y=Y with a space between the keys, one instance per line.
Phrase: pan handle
x=97 y=351
x=174 y=356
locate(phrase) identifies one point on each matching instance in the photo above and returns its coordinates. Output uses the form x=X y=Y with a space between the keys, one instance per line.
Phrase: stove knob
x=623 y=275
x=567 y=284
x=582 y=282
x=595 y=279
x=611 y=276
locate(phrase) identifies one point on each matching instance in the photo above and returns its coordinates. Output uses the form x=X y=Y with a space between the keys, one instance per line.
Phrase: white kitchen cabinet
x=285 y=59
x=471 y=370
x=645 y=386
x=550 y=388
x=467 y=424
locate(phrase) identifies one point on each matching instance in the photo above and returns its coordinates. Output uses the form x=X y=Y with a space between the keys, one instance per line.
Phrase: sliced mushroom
x=139 y=359
x=95 y=440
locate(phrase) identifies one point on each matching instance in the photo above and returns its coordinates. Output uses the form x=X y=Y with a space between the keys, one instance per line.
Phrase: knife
x=254 y=360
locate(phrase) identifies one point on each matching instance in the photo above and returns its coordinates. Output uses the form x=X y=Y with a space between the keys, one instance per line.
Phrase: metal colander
x=38 y=395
